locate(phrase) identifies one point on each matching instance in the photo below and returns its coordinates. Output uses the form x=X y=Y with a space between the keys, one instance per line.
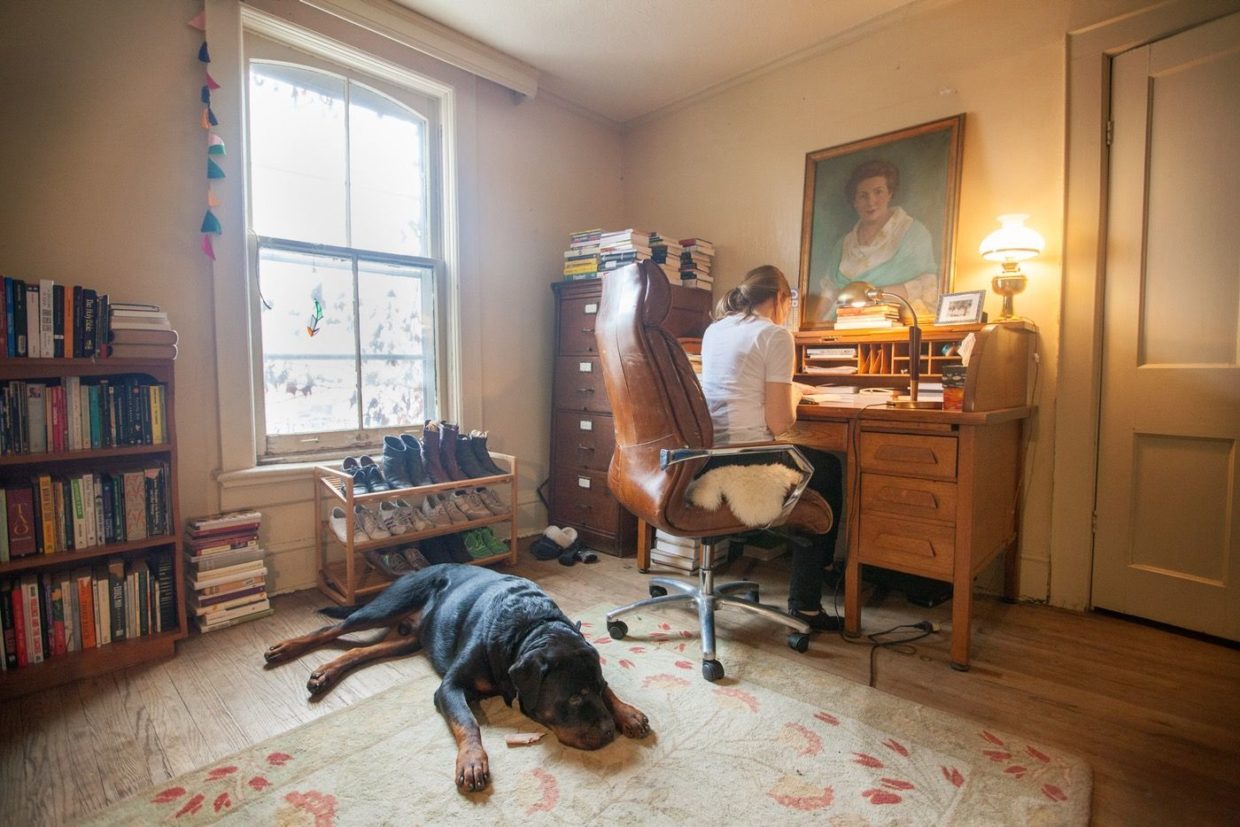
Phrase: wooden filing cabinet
x=582 y=431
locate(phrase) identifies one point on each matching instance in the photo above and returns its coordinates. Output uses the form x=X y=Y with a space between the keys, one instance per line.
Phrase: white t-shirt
x=739 y=356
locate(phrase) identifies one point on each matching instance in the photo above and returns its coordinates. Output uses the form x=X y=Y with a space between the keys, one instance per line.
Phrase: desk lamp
x=862 y=293
x=1011 y=244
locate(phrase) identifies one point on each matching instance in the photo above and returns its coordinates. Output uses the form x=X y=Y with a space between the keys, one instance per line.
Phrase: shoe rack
x=344 y=574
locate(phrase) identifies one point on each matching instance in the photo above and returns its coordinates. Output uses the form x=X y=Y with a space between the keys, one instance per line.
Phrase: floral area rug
x=772 y=743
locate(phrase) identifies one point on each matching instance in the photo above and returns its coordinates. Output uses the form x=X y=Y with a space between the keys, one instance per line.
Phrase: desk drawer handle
x=589 y=330
x=585 y=390
x=586 y=448
x=904 y=453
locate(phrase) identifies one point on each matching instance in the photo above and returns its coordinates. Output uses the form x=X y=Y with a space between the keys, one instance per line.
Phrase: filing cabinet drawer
x=583 y=440
x=931 y=457
x=579 y=384
x=582 y=498
x=908 y=497
x=576 y=324
x=910 y=546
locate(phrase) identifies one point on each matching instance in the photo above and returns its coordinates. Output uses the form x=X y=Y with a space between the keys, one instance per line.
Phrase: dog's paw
x=473 y=769
x=320 y=680
x=632 y=722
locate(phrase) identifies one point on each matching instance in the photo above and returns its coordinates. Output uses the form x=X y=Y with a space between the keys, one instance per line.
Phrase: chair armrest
x=672 y=456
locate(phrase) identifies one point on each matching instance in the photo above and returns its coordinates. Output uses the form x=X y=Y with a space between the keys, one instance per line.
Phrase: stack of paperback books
x=140 y=331
x=617 y=248
x=869 y=316
x=682 y=553
x=226 y=577
x=581 y=257
x=696 y=256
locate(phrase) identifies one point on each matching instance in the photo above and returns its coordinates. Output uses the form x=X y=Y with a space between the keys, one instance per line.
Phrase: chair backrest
x=656 y=402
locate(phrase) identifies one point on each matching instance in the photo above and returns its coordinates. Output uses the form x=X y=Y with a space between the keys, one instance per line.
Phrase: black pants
x=808 y=561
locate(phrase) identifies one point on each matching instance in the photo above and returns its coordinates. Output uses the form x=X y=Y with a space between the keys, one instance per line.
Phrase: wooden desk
x=928 y=492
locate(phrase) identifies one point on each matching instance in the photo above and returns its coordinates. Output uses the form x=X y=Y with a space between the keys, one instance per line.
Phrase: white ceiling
x=623 y=59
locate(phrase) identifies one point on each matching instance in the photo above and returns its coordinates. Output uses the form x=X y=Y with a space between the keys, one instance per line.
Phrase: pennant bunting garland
x=215 y=144
x=211 y=224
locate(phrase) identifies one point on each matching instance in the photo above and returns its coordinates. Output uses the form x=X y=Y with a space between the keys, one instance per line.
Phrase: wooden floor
x=1156 y=714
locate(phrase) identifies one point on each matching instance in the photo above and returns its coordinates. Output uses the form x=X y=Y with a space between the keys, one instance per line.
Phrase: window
x=347 y=256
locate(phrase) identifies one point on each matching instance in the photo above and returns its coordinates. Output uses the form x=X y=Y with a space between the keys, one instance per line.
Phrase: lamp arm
x=914 y=343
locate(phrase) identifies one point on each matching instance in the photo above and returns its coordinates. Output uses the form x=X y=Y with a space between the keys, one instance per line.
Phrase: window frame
x=268 y=41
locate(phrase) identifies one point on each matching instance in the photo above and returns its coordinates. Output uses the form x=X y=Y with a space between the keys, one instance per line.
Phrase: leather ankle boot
x=413 y=461
x=447 y=451
x=478 y=442
x=430 y=453
x=394 y=463
x=466 y=460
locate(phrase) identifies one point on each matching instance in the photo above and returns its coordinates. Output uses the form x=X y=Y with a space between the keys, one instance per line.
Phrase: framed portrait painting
x=881 y=210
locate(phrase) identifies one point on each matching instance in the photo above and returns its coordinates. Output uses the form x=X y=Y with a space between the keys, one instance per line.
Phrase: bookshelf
x=154 y=553
x=344 y=574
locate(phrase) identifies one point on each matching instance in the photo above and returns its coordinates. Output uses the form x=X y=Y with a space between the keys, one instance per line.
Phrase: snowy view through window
x=339 y=182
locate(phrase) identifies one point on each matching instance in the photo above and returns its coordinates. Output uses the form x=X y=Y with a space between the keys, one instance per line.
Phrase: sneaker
x=495 y=544
x=470 y=503
x=341 y=526
x=389 y=561
x=436 y=512
x=413 y=517
x=455 y=512
x=393 y=519
x=476 y=544
x=414 y=557
x=368 y=521
x=492 y=501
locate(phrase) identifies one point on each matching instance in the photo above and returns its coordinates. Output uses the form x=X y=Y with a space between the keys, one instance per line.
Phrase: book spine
x=58 y=321
x=21 y=522
x=4 y=527
x=7 y=627
x=34 y=346
x=18 y=610
x=47 y=319
x=34 y=619
x=47 y=513
x=86 y=604
x=116 y=598
x=56 y=598
x=10 y=338
x=21 y=340
x=165 y=571
x=103 y=602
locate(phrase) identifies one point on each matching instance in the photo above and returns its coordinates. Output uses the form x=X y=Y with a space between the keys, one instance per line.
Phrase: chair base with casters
x=707 y=597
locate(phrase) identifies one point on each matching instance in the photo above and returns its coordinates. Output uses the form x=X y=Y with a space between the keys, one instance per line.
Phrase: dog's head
x=560 y=685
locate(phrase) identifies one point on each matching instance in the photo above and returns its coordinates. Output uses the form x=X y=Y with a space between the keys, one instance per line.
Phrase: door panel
x=1167 y=542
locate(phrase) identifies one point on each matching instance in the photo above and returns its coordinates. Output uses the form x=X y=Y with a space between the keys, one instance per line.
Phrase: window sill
x=265 y=475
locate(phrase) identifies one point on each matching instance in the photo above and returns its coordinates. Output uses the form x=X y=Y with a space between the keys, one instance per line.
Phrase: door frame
x=1090 y=50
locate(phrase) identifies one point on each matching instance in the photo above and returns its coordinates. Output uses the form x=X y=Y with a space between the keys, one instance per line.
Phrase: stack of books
x=666 y=253
x=681 y=553
x=226 y=576
x=617 y=248
x=696 y=256
x=45 y=320
x=581 y=257
x=140 y=331
x=870 y=316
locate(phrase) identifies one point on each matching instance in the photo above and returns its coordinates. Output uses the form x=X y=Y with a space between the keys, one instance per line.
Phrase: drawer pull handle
x=911 y=498
x=906 y=545
x=585 y=448
x=584 y=506
x=585 y=390
x=900 y=453
x=588 y=330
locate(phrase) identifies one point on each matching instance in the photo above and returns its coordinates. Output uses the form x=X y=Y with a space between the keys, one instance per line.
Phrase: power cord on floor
x=875 y=641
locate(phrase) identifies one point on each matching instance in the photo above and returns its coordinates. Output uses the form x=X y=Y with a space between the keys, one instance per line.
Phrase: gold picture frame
x=882 y=209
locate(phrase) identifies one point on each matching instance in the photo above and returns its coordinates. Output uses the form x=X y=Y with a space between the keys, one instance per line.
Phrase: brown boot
x=431 y=452
x=447 y=451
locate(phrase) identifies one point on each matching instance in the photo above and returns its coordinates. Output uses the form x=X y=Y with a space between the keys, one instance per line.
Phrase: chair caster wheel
x=657 y=591
x=617 y=629
x=797 y=642
x=712 y=670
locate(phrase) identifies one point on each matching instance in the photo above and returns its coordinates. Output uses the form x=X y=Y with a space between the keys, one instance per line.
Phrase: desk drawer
x=577 y=317
x=908 y=497
x=909 y=546
x=931 y=457
x=582 y=439
x=825 y=436
x=583 y=498
x=579 y=384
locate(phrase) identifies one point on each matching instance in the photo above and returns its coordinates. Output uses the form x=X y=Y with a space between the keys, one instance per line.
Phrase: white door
x=1167 y=536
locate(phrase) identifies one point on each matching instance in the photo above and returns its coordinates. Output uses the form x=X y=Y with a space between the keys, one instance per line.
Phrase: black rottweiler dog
x=486 y=634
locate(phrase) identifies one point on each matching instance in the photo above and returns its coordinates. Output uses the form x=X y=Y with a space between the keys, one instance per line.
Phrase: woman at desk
x=747 y=366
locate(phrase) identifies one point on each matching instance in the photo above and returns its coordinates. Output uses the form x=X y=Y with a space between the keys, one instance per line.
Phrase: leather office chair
x=664 y=437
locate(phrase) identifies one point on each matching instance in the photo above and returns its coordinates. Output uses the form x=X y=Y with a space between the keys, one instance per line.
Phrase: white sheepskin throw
x=755 y=493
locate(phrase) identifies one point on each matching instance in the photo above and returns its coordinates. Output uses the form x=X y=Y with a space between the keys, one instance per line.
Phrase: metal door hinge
x=1110 y=132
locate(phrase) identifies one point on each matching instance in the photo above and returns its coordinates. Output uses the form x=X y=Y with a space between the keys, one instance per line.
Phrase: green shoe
x=495 y=544
x=475 y=544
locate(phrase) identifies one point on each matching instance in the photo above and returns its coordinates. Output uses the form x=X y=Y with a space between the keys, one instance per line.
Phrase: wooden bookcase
x=19 y=468
x=344 y=574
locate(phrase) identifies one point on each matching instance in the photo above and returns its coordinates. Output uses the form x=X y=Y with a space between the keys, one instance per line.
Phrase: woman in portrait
x=887 y=247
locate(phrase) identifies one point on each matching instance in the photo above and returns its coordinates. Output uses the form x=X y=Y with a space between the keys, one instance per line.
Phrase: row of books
x=75 y=414
x=43 y=320
x=225 y=571
x=869 y=316
x=56 y=513
x=46 y=615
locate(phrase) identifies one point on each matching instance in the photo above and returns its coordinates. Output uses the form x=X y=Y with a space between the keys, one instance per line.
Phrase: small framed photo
x=961 y=308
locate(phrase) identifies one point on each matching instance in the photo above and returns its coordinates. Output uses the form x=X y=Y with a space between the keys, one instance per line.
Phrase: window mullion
x=357 y=343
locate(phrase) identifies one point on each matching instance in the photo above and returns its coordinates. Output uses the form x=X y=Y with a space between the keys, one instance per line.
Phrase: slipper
x=562 y=537
x=577 y=554
x=389 y=561
x=544 y=548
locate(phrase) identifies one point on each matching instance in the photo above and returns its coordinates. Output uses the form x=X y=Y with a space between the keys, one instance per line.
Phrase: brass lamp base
x=1007 y=285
